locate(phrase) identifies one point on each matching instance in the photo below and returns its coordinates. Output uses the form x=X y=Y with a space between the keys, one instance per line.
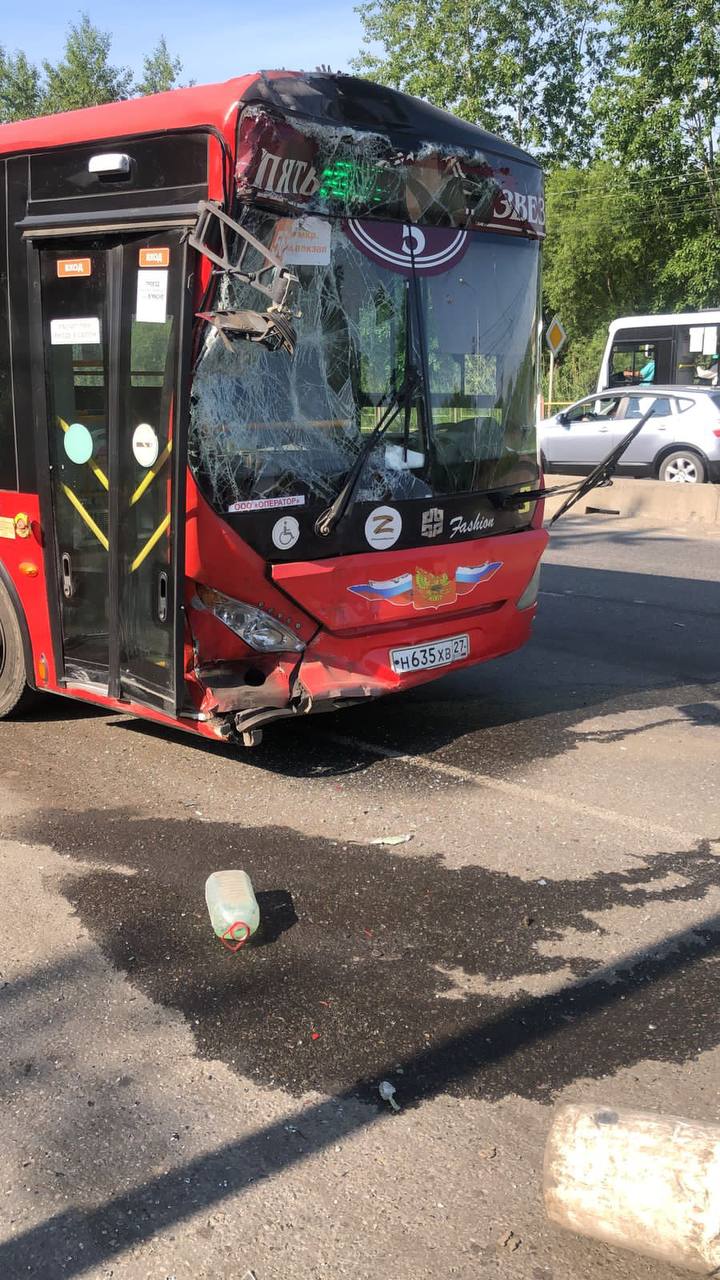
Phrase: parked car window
x=638 y=405
x=591 y=410
x=607 y=408
x=683 y=404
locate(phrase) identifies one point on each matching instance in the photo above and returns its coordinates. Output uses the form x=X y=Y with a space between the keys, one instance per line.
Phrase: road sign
x=555 y=335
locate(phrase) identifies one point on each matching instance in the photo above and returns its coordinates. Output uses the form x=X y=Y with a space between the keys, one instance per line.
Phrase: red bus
x=268 y=378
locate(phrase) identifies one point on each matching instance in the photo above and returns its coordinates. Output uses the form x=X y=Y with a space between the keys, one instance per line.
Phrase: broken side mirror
x=272 y=328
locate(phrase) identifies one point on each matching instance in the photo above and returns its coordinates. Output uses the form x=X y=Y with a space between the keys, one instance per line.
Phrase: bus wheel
x=682 y=466
x=15 y=695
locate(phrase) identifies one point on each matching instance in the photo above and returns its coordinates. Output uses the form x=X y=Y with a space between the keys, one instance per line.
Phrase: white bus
x=669 y=350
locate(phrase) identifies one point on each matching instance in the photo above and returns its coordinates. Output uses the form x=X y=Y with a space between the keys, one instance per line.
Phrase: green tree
x=621 y=241
x=600 y=258
x=20 y=93
x=603 y=255
x=524 y=70
x=160 y=70
x=690 y=278
x=661 y=107
x=85 y=76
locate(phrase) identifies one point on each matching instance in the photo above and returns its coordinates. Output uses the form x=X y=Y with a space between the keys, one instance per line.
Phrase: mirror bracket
x=213 y=222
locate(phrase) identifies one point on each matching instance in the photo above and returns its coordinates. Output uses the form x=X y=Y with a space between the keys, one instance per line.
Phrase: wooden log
x=643 y=1182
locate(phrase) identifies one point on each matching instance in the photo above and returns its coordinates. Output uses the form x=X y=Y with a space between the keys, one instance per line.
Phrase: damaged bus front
x=363 y=404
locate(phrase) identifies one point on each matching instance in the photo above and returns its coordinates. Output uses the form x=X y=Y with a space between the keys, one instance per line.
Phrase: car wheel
x=682 y=466
x=15 y=694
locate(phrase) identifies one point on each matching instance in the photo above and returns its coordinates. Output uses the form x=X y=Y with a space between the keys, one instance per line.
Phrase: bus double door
x=111 y=323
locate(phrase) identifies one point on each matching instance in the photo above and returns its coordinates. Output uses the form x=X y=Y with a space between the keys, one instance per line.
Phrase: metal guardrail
x=548 y=405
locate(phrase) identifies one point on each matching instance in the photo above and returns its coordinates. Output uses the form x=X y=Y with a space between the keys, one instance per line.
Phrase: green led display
x=350 y=182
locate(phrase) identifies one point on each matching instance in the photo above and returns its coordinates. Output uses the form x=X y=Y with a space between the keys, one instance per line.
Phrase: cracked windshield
x=451 y=348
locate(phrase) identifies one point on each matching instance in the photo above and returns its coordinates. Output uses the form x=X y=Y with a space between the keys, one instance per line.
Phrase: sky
x=215 y=39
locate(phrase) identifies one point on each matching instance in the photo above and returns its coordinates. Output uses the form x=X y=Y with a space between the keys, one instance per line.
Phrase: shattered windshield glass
x=460 y=307
x=336 y=170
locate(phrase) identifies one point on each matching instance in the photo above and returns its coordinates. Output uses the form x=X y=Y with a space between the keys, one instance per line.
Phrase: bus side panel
x=21 y=552
x=8 y=464
x=217 y=557
x=19 y=310
x=24 y=557
x=21 y=538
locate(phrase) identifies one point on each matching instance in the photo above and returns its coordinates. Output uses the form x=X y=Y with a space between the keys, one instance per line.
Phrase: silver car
x=680 y=443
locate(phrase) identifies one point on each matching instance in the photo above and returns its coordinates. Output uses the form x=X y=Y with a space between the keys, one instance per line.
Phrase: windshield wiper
x=400 y=398
x=599 y=477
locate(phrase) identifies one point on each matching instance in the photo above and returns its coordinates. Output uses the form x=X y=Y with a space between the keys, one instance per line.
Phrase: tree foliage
x=621 y=100
x=20 y=93
x=662 y=103
x=85 y=75
x=160 y=71
x=523 y=70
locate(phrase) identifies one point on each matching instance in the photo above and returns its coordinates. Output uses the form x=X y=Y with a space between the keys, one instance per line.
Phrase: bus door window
x=75 y=337
x=697 y=355
x=147 y=375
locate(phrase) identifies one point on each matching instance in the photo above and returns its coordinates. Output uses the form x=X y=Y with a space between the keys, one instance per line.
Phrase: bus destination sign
x=329 y=171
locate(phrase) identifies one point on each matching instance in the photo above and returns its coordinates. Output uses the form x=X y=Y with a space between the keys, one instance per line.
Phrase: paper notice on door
x=696 y=339
x=710 y=340
x=302 y=242
x=79 y=332
x=152 y=289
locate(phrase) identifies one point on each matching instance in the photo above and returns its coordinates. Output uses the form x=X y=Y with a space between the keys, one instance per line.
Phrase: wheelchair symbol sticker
x=285 y=533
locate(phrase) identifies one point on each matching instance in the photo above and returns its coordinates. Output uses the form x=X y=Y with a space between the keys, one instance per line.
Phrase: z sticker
x=383 y=527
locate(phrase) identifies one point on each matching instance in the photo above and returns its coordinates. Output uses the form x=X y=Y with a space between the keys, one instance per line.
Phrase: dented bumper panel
x=430 y=597
x=360 y=667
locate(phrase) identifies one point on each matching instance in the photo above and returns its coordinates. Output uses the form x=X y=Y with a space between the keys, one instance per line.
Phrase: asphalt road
x=550 y=931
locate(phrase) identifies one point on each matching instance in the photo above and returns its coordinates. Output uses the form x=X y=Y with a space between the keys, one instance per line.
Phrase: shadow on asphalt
x=370 y=957
x=367 y=960
x=47 y=708
x=602 y=640
x=71 y=1242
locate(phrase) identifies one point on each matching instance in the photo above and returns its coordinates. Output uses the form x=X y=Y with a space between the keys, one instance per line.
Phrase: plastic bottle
x=233 y=907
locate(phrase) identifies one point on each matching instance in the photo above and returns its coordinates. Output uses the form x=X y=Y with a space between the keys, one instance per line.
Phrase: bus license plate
x=422 y=657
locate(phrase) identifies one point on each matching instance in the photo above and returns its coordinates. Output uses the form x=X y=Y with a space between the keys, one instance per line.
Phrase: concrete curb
x=643 y=500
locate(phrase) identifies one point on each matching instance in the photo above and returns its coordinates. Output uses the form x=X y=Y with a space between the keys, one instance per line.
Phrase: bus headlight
x=258 y=629
x=530 y=594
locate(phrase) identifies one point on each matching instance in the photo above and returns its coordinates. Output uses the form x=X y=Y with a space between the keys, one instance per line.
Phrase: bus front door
x=112 y=322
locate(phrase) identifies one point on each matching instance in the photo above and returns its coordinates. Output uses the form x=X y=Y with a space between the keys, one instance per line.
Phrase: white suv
x=680 y=443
